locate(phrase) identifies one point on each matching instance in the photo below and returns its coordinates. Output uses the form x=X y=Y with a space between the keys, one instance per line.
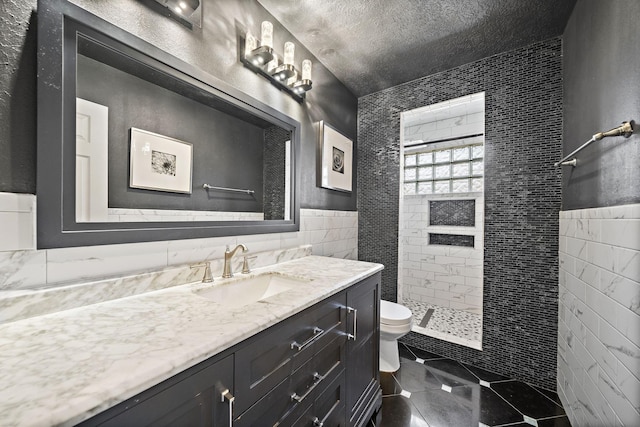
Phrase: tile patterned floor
x=458 y=326
x=431 y=391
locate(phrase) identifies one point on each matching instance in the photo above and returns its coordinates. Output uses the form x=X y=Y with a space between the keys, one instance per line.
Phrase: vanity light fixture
x=259 y=56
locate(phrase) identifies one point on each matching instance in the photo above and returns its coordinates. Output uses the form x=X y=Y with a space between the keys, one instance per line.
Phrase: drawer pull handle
x=317 y=379
x=355 y=322
x=316 y=420
x=316 y=333
x=226 y=395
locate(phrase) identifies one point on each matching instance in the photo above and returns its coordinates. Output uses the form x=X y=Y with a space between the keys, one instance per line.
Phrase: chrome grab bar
x=355 y=322
x=226 y=395
x=317 y=379
x=317 y=332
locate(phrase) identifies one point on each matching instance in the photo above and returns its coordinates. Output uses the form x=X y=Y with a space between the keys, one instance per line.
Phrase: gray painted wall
x=212 y=48
x=523 y=127
x=602 y=89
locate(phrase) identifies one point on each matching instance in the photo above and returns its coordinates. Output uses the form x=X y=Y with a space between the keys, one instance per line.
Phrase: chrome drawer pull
x=316 y=333
x=317 y=379
x=228 y=396
x=355 y=322
x=316 y=420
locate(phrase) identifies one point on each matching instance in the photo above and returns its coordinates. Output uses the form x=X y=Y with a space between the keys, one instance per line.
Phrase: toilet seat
x=394 y=314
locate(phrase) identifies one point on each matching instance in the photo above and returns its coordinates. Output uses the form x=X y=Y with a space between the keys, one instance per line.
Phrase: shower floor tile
x=441 y=392
x=457 y=326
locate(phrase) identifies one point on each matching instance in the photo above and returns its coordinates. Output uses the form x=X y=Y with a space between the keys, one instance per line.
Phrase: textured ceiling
x=371 y=45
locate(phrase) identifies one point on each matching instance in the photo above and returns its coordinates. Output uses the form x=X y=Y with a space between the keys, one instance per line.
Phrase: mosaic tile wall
x=274 y=154
x=599 y=330
x=523 y=131
x=451 y=240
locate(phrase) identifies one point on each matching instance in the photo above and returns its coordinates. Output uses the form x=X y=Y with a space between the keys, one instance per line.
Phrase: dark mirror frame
x=58 y=21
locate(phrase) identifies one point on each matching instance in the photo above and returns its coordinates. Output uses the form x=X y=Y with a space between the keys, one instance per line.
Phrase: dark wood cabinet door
x=363 y=327
x=194 y=401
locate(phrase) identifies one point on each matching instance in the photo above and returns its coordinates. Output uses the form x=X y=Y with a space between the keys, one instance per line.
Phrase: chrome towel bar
x=235 y=190
x=626 y=129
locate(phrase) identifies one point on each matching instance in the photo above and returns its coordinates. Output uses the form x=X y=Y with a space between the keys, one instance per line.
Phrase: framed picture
x=336 y=165
x=160 y=163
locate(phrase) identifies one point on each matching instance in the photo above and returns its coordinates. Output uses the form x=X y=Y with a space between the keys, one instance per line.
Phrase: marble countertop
x=62 y=368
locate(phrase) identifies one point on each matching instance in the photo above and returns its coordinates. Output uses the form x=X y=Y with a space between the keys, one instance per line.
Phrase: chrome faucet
x=228 y=255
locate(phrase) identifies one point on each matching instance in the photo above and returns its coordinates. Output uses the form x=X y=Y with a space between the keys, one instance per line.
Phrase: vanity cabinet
x=192 y=398
x=363 y=350
x=316 y=368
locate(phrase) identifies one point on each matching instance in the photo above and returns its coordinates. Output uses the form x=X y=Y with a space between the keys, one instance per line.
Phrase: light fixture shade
x=306 y=69
x=289 y=52
x=266 y=36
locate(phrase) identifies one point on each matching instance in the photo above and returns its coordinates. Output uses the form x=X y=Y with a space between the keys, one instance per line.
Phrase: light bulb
x=250 y=44
x=306 y=70
x=289 y=50
x=266 y=38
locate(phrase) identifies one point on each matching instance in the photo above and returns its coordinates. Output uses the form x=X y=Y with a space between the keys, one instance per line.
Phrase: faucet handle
x=208 y=277
x=245 y=264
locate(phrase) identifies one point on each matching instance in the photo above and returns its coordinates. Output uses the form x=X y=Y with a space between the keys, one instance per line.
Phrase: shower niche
x=441 y=229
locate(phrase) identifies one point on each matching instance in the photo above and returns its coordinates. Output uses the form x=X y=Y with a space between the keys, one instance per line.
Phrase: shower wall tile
x=523 y=128
x=599 y=322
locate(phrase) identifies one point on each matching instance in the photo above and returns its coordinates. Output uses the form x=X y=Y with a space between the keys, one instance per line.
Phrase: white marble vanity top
x=62 y=368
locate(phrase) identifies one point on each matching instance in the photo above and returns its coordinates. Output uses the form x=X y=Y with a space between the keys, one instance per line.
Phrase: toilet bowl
x=395 y=322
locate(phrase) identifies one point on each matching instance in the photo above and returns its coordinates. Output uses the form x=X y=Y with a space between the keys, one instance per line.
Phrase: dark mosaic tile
x=389 y=384
x=485 y=375
x=492 y=409
x=527 y=399
x=554 y=422
x=439 y=409
x=416 y=377
x=398 y=411
x=423 y=354
x=523 y=119
x=450 y=372
x=550 y=394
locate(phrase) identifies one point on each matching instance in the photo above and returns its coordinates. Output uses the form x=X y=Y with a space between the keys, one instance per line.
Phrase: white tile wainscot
x=599 y=316
x=331 y=233
x=17 y=221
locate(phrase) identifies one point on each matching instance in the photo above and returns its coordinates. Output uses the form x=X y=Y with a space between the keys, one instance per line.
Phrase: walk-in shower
x=441 y=229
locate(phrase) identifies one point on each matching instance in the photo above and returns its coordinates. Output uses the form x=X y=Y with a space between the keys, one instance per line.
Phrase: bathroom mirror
x=136 y=145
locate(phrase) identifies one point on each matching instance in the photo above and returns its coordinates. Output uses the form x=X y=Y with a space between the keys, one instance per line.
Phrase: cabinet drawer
x=283 y=349
x=293 y=396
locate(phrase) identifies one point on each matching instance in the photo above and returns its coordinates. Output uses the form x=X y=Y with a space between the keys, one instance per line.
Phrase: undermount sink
x=241 y=292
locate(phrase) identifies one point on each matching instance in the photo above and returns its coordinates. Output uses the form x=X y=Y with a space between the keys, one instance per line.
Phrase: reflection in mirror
x=101 y=92
x=116 y=96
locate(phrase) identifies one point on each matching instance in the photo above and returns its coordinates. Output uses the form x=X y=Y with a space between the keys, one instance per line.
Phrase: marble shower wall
x=599 y=315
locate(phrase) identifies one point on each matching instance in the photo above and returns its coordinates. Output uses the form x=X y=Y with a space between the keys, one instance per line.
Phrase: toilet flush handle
x=355 y=322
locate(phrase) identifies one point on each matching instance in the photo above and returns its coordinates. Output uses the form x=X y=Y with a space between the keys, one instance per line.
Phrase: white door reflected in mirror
x=92 y=149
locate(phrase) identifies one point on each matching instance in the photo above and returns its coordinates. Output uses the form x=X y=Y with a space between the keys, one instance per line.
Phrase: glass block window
x=445 y=171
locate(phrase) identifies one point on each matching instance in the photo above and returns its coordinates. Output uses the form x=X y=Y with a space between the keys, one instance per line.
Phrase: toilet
x=395 y=322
